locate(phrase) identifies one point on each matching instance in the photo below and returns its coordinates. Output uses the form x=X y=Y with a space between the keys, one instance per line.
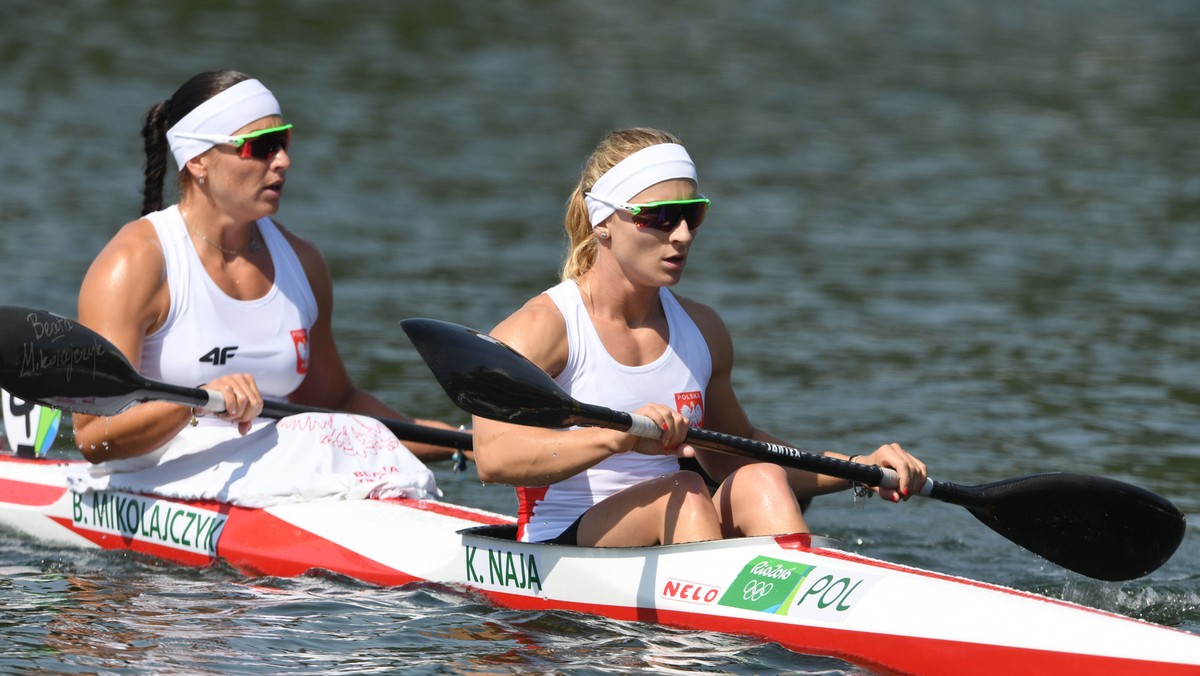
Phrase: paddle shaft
x=641 y=426
x=403 y=430
x=57 y=362
x=214 y=402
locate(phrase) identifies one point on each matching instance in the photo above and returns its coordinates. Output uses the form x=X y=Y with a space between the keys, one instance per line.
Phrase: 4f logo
x=219 y=355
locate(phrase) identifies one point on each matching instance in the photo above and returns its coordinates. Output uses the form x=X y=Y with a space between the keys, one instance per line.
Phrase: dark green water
x=970 y=228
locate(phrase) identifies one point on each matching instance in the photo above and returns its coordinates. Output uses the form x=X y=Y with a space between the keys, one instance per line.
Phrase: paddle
x=1095 y=526
x=54 y=361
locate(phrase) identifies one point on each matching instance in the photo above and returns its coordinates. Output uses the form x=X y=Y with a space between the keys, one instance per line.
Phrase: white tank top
x=208 y=334
x=677 y=379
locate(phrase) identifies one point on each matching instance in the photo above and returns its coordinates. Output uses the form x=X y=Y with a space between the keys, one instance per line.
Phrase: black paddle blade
x=1102 y=528
x=487 y=378
x=51 y=360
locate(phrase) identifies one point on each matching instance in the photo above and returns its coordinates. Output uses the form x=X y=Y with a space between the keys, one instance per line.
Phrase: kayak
x=804 y=592
x=801 y=591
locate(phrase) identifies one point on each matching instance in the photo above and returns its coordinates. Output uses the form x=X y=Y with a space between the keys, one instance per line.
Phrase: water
x=966 y=227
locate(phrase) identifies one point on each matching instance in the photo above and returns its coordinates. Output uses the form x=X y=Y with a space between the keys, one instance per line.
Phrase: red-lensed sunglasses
x=664 y=215
x=263 y=144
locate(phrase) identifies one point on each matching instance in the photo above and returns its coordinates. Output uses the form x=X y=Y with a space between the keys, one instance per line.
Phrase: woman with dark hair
x=614 y=334
x=212 y=291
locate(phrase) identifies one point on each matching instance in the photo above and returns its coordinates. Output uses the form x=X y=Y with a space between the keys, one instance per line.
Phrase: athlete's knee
x=688 y=512
x=689 y=482
x=762 y=476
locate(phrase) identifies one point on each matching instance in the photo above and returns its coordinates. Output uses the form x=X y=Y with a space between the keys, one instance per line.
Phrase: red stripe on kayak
x=30 y=494
x=258 y=543
x=798 y=541
x=882 y=652
x=446 y=509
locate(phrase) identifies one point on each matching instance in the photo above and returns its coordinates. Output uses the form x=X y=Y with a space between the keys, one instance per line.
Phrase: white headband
x=637 y=172
x=224 y=113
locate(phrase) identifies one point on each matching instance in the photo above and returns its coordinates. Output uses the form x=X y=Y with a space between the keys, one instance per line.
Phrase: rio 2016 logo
x=765 y=584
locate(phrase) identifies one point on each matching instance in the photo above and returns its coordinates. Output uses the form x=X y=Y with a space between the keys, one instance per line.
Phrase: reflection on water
x=967 y=227
x=217 y=625
x=95 y=620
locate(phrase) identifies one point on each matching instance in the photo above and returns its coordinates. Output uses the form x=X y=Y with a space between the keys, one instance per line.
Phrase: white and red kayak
x=800 y=591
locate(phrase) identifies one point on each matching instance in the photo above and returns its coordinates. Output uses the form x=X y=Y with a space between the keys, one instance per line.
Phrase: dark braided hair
x=164 y=115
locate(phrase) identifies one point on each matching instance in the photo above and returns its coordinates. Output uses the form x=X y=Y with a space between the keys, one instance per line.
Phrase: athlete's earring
x=200 y=180
x=602 y=234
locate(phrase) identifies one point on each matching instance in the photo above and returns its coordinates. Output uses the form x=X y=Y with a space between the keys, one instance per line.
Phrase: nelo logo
x=691 y=592
x=219 y=355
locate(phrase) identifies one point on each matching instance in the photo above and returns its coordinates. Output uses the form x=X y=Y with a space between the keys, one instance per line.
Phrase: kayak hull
x=800 y=591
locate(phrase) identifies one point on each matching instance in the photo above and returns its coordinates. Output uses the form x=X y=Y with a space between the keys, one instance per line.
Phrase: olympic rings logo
x=756 y=589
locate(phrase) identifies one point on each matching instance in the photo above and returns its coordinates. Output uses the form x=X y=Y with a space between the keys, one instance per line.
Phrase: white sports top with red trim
x=677 y=379
x=208 y=334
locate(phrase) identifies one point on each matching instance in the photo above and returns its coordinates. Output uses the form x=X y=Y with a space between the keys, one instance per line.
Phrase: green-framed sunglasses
x=663 y=215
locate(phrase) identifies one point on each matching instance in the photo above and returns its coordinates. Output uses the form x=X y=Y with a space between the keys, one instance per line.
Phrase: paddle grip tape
x=641 y=426
x=889 y=479
x=892 y=480
x=216 y=402
x=927 y=489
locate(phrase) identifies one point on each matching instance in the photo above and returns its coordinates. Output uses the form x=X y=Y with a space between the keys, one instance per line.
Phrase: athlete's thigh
x=636 y=516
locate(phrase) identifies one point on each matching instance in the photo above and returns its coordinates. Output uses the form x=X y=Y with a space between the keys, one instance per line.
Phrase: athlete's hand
x=911 y=471
x=674 y=430
x=243 y=402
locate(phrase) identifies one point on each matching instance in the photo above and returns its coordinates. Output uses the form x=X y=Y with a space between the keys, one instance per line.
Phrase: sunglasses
x=664 y=215
x=263 y=144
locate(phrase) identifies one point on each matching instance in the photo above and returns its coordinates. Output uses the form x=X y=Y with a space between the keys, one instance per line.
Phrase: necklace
x=255 y=246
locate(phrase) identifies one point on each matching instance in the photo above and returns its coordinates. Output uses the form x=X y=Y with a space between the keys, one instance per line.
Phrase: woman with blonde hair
x=613 y=333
